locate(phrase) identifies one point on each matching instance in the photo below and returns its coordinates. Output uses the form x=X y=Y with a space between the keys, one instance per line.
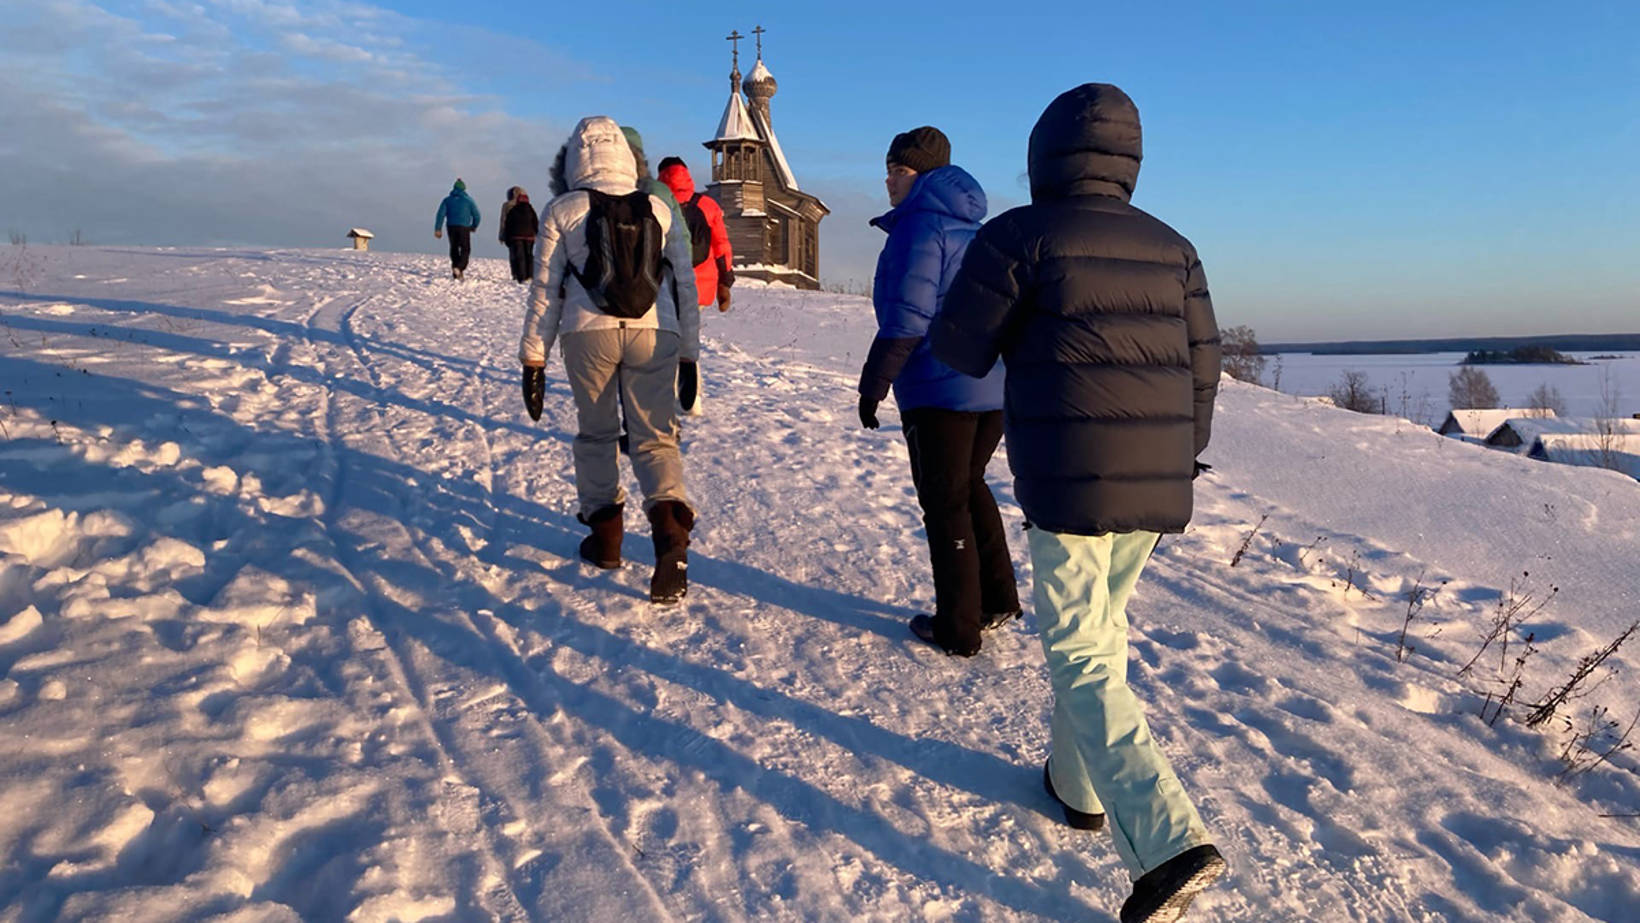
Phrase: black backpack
x=522 y=221
x=623 y=270
x=700 y=230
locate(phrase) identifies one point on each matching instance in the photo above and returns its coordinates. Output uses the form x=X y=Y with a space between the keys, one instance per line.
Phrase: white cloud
x=269 y=123
x=303 y=44
x=243 y=121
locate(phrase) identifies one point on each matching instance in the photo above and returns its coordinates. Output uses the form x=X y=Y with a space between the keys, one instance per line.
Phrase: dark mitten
x=688 y=383
x=535 y=390
x=1200 y=467
x=723 y=298
x=868 y=412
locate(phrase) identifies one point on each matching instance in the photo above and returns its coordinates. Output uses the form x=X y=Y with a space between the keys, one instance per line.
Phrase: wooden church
x=774 y=227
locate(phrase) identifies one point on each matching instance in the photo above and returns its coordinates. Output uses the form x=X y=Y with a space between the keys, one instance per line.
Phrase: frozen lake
x=1416 y=384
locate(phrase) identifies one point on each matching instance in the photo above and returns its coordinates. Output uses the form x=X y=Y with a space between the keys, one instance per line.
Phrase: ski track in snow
x=292 y=627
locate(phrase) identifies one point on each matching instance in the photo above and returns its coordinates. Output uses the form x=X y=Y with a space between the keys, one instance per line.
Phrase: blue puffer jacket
x=459 y=209
x=927 y=236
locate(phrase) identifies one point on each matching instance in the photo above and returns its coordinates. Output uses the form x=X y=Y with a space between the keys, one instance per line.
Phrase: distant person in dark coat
x=952 y=423
x=1103 y=316
x=518 y=226
x=459 y=209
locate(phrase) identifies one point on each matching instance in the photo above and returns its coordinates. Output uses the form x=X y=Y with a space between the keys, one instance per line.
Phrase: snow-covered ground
x=292 y=627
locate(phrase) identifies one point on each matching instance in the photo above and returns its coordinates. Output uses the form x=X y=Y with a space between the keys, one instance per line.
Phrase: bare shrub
x=1415 y=599
x=1573 y=687
x=1608 y=435
x=1243 y=357
x=1309 y=549
x=1469 y=388
x=1515 y=608
x=1248 y=540
x=1545 y=397
x=1352 y=392
x=1596 y=743
x=1353 y=571
x=24 y=267
x=850 y=286
x=1407 y=405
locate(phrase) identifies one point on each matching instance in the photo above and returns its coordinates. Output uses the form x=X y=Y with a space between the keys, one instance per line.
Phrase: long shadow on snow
x=800 y=801
x=364 y=390
x=391 y=488
x=378 y=486
x=279 y=328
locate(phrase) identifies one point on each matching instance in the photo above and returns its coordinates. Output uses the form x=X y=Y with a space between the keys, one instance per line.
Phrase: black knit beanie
x=921 y=149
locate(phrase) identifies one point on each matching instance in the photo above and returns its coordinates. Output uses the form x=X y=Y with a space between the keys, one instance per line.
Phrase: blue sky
x=1368 y=171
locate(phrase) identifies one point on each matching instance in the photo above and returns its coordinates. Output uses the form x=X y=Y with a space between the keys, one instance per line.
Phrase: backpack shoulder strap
x=596 y=203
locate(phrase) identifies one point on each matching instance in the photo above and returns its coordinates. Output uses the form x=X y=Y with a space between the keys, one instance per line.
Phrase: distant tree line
x=1520 y=355
x=1468 y=388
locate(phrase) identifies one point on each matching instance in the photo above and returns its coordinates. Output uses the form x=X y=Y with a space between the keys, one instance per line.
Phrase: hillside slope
x=291 y=627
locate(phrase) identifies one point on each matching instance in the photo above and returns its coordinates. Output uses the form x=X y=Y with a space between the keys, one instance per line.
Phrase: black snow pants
x=973 y=573
x=521 y=254
x=461 y=246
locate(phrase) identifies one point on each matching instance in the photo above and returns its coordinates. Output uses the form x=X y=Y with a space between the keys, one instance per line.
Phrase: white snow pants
x=1104 y=759
x=630 y=375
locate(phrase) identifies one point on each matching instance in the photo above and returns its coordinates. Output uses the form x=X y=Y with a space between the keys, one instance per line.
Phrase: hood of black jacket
x=1087 y=142
x=945 y=191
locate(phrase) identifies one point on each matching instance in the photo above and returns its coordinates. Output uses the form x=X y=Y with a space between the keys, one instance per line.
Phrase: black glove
x=868 y=412
x=535 y=390
x=688 y=383
x=1200 y=467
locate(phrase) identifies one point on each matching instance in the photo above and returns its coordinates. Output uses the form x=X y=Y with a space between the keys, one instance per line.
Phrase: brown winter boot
x=671 y=521
x=603 y=547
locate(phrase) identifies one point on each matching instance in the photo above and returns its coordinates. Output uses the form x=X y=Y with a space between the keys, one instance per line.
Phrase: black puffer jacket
x=1103 y=317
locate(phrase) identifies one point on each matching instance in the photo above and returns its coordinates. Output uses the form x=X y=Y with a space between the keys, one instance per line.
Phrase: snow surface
x=292 y=627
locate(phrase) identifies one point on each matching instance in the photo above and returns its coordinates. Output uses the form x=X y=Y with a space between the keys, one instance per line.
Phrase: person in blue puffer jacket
x=952 y=422
x=462 y=212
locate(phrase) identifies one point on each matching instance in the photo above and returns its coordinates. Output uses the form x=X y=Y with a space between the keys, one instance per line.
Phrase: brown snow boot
x=671 y=521
x=603 y=547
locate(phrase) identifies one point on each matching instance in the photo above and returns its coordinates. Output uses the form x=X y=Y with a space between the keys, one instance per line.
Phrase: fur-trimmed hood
x=596 y=156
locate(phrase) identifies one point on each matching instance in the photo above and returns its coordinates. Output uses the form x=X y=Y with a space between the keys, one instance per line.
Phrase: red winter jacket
x=677 y=178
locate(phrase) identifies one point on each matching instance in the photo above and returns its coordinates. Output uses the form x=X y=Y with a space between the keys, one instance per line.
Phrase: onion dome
x=760 y=84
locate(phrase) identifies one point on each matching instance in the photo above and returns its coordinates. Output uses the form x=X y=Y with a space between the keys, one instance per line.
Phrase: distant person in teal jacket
x=459 y=209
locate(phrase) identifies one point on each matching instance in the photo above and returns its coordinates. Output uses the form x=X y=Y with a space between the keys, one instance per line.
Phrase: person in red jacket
x=714 y=262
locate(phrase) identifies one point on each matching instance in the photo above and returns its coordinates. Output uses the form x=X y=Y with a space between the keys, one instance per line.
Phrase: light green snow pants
x=1104 y=759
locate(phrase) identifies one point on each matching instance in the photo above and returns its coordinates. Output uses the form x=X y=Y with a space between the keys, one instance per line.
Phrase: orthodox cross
x=735 y=37
x=759 y=33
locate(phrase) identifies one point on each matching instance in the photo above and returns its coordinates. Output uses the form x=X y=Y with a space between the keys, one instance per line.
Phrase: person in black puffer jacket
x=1102 y=315
x=519 y=223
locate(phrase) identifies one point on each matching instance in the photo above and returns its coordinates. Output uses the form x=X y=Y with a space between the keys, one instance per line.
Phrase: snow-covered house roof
x=360 y=232
x=1518 y=432
x=1618 y=451
x=736 y=124
x=1471 y=422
